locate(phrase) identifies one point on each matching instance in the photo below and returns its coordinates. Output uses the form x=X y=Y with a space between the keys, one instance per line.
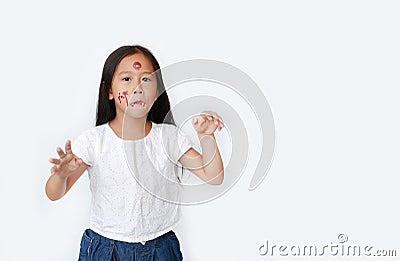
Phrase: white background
x=329 y=69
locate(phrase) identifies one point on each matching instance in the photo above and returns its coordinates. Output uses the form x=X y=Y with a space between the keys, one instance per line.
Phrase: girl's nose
x=138 y=90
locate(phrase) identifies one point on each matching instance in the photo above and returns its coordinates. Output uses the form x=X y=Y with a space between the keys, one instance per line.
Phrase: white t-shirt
x=133 y=182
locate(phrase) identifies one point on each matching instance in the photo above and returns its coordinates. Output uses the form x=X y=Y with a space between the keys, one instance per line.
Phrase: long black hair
x=106 y=111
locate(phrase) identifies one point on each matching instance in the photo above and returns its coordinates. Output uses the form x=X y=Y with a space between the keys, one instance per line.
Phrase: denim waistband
x=92 y=236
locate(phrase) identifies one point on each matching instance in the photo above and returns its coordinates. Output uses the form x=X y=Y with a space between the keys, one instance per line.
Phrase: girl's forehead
x=135 y=62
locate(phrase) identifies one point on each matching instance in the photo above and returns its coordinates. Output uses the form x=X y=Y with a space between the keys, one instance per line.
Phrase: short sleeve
x=82 y=147
x=184 y=144
x=178 y=142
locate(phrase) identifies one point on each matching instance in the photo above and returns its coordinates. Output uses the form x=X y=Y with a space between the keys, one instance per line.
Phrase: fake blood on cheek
x=123 y=95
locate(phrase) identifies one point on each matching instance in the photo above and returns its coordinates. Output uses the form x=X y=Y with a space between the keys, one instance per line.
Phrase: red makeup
x=137 y=65
x=123 y=96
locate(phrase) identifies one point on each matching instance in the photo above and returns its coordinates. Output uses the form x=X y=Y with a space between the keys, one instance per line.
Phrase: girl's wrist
x=201 y=135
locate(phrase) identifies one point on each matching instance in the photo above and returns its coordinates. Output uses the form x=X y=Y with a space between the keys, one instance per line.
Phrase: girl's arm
x=207 y=166
x=65 y=172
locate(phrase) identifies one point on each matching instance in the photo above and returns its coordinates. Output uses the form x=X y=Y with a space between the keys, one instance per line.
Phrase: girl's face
x=134 y=87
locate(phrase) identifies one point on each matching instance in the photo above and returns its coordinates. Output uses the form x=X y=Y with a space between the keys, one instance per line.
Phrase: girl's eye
x=126 y=79
x=146 y=79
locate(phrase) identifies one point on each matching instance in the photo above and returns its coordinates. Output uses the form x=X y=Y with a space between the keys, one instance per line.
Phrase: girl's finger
x=218 y=117
x=52 y=171
x=214 y=114
x=220 y=122
x=201 y=120
x=206 y=114
x=79 y=161
x=54 y=161
x=68 y=147
x=60 y=152
x=194 y=122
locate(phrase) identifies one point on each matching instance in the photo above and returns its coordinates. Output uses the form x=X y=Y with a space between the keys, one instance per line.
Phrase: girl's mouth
x=138 y=103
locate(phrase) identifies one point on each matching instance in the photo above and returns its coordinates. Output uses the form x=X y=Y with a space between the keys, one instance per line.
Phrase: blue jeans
x=95 y=247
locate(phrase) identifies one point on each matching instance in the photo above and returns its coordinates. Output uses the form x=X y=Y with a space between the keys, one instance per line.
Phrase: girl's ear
x=110 y=95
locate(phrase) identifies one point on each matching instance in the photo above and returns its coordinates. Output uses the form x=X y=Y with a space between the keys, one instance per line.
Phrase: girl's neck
x=131 y=128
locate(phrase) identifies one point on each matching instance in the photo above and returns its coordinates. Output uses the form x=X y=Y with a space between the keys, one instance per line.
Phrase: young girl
x=133 y=112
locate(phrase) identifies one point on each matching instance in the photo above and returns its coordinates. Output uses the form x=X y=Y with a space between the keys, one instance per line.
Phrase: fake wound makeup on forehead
x=123 y=95
x=137 y=65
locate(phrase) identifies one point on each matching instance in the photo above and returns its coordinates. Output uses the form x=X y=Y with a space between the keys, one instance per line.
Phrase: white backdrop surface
x=329 y=69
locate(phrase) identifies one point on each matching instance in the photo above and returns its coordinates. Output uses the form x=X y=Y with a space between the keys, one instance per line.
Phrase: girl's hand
x=207 y=122
x=67 y=162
